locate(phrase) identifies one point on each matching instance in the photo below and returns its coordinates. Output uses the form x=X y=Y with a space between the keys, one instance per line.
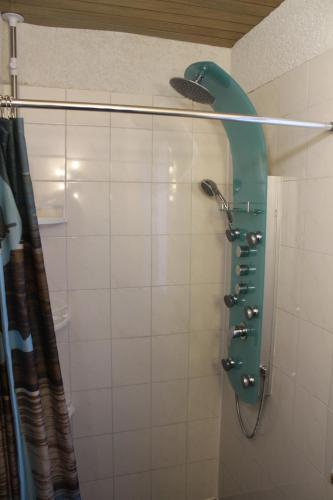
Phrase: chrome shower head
x=192 y=89
x=210 y=188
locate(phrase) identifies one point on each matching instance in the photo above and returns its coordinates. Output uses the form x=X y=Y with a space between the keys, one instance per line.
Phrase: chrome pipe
x=150 y=110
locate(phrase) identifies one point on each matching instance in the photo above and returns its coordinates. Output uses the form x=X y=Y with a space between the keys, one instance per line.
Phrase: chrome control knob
x=241 y=288
x=242 y=251
x=251 y=312
x=228 y=364
x=243 y=270
x=254 y=238
x=230 y=300
x=239 y=331
x=247 y=381
x=232 y=234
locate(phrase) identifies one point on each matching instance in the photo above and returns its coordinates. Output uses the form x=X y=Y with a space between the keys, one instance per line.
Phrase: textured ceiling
x=213 y=22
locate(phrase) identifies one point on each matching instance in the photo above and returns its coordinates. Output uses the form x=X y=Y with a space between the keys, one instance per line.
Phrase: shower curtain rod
x=14 y=103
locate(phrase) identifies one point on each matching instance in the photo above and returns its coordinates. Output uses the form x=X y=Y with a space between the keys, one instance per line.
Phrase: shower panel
x=246 y=229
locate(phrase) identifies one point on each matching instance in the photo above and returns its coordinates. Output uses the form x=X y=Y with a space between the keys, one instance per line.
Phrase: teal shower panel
x=250 y=170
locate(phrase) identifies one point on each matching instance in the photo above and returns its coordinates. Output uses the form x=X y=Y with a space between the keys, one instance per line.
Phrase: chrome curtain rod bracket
x=151 y=110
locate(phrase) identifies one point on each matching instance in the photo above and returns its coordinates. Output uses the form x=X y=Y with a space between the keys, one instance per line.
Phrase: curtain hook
x=1 y=106
x=11 y=107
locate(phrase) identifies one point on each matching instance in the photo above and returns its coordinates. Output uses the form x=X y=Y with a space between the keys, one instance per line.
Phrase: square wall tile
x=292 y=229
x=132 y=452
x=206 y=307
x=286 y=341
x=56 y=116
x=88 y=262
x=316 y=275
x=207 y=258
x=314 y=343
x=93 y=412
x=131 y=407
x=94 y=119
x=90 y=315
x=131 y=312
x=43 y=168
x=202 y=480
x=169 y=402
x=168 y=445
x=133 y=487
x=209 y=158
x=131 y=145
x=206 y=217
x=131 y=361
x=88 y=143
x=310 y=427
x=205 y=353
x=101 y=489
x=130 y=208
x=317 y=237
x=203 y=439
x=170 y=357
x=50 y=202
x=204 y=397
x=169 y=483
x=54 y=252
x=88 y=208
x=172 y=156
x=130 y=261
x=172 y=123
x=171 y=208
x=131 y=171
x=288 y=294
x=88 y=170
x=131 y=120
x=94 y=457
x=206 y=126
x=90 y=365
x=64 y=361
x=170 y=309
x=53 y=143
x=171 y=259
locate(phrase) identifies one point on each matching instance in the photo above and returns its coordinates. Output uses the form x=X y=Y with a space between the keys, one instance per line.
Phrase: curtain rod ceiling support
x=6 y=101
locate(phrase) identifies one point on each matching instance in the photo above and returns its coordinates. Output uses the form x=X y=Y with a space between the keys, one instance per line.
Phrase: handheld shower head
x=210 y=188
x=192 y=89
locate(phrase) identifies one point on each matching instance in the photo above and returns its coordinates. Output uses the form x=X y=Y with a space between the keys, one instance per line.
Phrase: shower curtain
x=36 y=451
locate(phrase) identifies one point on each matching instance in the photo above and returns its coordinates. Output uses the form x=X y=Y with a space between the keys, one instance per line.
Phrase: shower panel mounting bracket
x=249 y=169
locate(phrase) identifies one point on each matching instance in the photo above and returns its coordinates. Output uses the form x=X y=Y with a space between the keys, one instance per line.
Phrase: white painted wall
x=294 y=33
x=102 y=60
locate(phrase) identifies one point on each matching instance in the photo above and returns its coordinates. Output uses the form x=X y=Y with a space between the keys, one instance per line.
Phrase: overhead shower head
x=192 y=89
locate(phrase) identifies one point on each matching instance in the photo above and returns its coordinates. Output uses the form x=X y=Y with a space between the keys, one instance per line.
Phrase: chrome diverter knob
x=247 y=381
x=232 y=234
x=239 y=331
x=253 y=238
x=230 y=300
x=228 y=364
x=251 y=312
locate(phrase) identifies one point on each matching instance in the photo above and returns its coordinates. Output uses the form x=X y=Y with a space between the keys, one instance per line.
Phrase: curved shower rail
x=250 y=170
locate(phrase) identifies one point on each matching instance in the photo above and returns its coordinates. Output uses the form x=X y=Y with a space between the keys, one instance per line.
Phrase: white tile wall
x=139 y=264
x=294 y=446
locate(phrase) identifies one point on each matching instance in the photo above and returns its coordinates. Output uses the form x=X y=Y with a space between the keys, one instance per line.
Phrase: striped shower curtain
x=36 y=451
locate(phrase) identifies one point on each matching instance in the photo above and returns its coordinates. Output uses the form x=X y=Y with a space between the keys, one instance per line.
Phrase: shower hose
x=249 y=434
